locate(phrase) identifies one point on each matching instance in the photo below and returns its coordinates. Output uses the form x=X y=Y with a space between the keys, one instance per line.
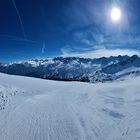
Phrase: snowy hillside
x=35 y=109
x=77 y=69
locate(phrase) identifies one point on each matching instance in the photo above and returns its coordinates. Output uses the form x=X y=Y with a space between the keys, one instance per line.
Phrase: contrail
x=20 y=20
x=44 y=47
x=12 y=38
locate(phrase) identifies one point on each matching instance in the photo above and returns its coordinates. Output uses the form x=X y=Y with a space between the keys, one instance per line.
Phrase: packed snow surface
x=35 y=109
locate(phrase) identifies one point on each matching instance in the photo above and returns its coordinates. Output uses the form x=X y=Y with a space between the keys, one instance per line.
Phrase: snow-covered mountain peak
x=75 y=68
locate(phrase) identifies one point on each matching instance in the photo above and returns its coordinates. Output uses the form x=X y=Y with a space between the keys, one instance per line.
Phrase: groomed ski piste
x=35 y=109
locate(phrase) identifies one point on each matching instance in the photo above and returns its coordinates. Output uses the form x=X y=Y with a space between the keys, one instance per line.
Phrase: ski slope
x=35 y=109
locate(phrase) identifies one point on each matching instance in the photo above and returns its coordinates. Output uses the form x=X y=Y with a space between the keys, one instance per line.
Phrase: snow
x=128 y=70
x=50 y=110
x=77 y=69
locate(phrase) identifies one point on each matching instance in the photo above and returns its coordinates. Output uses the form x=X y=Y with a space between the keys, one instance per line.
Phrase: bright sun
x=116 y=14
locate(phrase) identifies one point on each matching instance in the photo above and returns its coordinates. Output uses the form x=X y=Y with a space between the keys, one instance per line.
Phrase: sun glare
x=116 y=14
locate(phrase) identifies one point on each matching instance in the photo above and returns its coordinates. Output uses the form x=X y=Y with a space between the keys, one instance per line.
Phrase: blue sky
x=49 y=28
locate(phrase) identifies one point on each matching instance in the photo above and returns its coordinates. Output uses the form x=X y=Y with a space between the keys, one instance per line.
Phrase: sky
x=49 y=28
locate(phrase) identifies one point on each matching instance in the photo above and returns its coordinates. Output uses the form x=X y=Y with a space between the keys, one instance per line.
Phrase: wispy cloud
x=93 y=37
x=94 y=44
x=100 y=53
x=98 y=38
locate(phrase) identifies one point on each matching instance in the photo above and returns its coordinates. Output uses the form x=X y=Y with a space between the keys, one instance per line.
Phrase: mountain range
x=77 y=69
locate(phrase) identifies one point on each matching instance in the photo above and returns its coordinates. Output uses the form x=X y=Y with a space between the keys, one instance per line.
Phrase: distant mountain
x=76 y=69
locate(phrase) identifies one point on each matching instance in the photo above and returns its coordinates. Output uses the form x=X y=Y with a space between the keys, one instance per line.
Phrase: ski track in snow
x=48 y=110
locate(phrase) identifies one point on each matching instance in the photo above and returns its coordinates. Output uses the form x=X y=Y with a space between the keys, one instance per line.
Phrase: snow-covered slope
x=76 y=69
x=50 y=110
